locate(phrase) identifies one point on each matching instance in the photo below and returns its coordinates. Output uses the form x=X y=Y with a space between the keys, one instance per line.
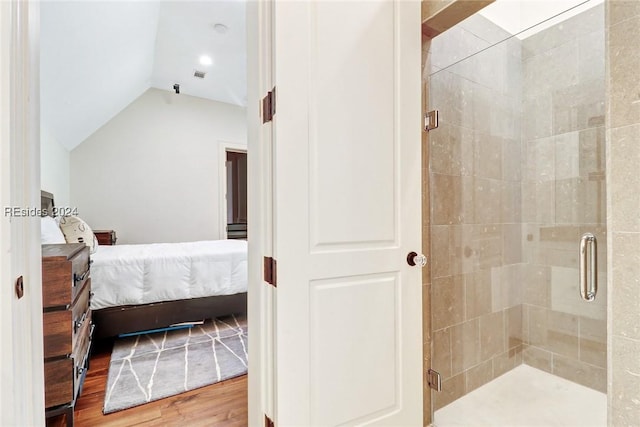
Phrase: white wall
x=54 y=168
x=151 y=173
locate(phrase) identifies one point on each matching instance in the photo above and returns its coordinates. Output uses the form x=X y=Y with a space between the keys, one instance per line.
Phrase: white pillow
x=77 y=231
x=50 y=232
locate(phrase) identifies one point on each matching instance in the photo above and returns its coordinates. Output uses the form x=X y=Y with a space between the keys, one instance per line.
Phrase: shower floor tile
x=526 y=396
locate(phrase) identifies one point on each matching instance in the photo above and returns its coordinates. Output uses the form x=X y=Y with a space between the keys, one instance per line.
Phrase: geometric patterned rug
x=149 y=367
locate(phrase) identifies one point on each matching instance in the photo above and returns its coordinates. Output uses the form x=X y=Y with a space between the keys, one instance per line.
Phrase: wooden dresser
x=105 y=237
x=68 y=329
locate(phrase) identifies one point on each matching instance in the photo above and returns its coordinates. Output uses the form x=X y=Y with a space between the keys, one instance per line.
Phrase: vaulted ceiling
x=98 y=56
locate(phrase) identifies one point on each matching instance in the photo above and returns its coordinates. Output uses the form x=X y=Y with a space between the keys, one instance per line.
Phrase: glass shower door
x=517 y=178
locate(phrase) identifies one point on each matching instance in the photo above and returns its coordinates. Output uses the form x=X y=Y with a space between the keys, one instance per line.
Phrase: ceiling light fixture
x=206 y=60
x=220 y=28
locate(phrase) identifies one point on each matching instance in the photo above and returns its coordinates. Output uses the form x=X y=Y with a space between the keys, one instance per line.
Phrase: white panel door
x=21 y=357
x=347 y=212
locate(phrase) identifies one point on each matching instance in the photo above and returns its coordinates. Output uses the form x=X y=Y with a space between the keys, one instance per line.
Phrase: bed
x=151 y=286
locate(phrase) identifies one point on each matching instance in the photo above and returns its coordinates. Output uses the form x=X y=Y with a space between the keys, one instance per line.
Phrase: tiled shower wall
x=623 y=120
x=516 y=176
x=475 y=176
x=563 y=188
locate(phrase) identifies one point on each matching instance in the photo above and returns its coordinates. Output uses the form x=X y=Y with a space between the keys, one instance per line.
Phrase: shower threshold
x=526 y=396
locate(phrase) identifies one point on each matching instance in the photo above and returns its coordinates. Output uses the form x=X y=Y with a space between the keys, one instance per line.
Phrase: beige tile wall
x=476 y=301
x=510 y=198
x=623 y=205
x=623 y=145
x=563 y=196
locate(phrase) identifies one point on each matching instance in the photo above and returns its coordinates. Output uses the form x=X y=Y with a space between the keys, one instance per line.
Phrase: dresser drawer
x=58 y=382
x=63 y=377
x=61 y=328
x=65 y=269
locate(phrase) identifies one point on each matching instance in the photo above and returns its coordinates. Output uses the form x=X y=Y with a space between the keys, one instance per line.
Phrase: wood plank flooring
x=223 y=404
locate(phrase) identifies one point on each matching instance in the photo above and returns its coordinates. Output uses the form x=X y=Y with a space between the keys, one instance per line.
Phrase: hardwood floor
x=223 y=404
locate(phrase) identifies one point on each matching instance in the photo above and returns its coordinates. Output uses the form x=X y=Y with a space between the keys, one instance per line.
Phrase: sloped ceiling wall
x=96 y=58
x=99 y=56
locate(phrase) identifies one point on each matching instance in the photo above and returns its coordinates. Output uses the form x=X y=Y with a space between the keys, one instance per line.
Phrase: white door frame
x=21 y=360
x=225 y=146
x=21 y=365
x=261 y=297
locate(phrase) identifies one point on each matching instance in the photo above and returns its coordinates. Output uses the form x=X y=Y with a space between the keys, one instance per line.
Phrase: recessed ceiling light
x=206 y=60
x=220 y=28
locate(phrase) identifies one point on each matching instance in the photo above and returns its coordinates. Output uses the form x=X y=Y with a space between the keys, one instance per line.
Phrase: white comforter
x=141 y=274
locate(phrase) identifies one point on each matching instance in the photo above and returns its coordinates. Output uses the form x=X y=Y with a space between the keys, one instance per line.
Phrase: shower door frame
x=428 y=33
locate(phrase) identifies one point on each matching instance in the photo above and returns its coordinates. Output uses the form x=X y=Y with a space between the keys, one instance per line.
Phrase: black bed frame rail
x=114 y=321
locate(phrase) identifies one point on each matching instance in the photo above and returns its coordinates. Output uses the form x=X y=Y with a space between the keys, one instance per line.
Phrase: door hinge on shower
x=431 y=120
x=269 y=106
x=434 y=380
x=270 y=271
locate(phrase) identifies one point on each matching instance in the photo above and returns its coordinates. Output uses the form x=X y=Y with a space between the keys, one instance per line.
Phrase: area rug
x=149 y=367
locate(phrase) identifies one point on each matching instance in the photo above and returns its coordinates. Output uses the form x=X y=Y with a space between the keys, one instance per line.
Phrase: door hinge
x=269 y=106
x=268 y=422
x=431 y=120
x=270 y=271
x=20 y=287
x=434 y=380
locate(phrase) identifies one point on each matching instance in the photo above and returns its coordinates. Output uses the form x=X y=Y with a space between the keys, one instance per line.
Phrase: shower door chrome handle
x=588 y=267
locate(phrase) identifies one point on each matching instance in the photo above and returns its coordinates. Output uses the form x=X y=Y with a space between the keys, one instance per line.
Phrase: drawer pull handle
x=78 y=278
x=82 y=368
x=78 y=323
